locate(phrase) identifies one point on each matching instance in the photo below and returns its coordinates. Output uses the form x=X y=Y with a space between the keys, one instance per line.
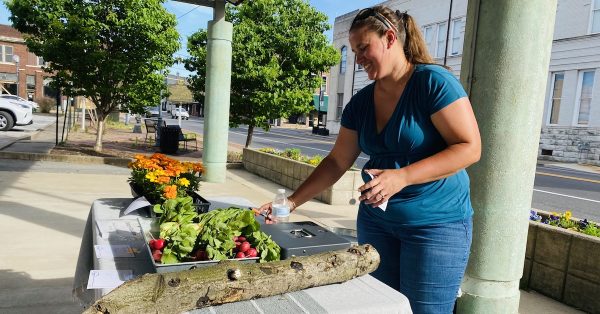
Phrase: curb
x=114 y=161
x=26 y=137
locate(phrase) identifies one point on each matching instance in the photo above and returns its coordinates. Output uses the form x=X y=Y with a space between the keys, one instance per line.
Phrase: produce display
x=217 y=235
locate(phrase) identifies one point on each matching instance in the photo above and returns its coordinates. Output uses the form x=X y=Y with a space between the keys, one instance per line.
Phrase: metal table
x=360 y=295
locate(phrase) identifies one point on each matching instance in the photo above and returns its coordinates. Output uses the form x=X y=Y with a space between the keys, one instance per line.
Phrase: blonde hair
x=379 y=19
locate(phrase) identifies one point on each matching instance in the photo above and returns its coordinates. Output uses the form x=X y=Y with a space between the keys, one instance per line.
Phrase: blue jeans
x=425 y=263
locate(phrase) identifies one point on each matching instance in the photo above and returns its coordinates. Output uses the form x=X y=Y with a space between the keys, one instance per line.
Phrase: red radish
x=241 y=239
x=152 y=244
x=244 y=246
x=240 y=255
x=201 y=255
x=235 y=239
x=252 y=252
x=159 y=244
x=157 y=255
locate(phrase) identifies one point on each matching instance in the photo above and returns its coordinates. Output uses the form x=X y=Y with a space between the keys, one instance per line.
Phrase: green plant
x=274 y=64
x=46 y=104
x=566 y=221
x=219 y=227
x=160 y=178
x=111 y=52
x=294 y=154
x=234 y=156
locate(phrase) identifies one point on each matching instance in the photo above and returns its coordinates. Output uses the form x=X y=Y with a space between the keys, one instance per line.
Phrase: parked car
x=14 y=113
x=175 y=113
x=34 y=105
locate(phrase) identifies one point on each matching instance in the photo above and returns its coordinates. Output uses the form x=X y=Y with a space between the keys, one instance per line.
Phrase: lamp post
x=16 y=59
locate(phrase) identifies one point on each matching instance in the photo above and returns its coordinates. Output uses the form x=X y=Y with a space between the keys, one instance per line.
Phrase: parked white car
x=175 y=113
x=14 y=113
x=34 y=105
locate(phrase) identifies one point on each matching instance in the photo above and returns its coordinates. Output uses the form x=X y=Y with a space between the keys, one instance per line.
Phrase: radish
x=244 y=246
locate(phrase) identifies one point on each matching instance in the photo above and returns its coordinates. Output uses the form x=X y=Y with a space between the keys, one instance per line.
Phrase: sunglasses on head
x=370 y=12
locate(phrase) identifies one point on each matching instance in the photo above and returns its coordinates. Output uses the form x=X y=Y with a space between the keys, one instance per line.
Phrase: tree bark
x=100 y=132
x=249 y=135
x=186 y=290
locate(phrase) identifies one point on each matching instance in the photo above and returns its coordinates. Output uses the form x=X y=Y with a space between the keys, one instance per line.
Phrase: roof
x=180 y=92
x=10 y=32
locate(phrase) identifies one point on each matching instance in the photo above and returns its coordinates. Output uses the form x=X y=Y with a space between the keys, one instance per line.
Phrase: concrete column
x=218 y=85
x=505 y=69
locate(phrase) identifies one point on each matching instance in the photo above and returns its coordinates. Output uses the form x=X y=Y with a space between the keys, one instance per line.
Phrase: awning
x=323 y=105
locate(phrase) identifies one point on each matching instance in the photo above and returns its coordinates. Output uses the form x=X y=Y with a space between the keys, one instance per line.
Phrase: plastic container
x=281 y=207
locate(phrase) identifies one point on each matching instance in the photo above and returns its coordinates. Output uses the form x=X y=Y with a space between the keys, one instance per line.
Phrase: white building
x=571 y=123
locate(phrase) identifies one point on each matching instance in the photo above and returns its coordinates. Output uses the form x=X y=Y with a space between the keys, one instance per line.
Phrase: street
x=555 y=188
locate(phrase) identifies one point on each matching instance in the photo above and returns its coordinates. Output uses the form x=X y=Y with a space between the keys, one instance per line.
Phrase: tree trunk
x=100 y=131
x=249 y=136
x=186 y=290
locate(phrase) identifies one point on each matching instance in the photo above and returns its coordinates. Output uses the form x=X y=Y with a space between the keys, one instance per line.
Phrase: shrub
x=46 y=104
x=234 y=156
x=294 y=154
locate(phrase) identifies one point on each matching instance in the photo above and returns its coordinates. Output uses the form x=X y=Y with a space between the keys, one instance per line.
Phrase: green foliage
x=279 y=49
x=110 y=51
x=294 y=154
x=179 y=210
x=218 y=228
x=591 y=229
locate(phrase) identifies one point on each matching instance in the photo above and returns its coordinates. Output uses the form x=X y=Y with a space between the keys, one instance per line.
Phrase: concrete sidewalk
x=44 y=206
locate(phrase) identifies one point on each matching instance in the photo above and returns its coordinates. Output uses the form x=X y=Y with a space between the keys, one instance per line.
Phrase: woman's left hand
x=384 y=184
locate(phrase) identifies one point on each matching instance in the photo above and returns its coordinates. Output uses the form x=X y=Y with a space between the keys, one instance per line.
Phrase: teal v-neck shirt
x=408 y=137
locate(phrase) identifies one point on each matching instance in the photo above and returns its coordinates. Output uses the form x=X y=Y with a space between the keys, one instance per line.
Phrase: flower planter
x=291 y=174
x=564 y=265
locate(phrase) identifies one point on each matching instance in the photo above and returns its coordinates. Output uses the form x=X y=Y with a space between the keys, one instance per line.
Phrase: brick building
x=31 y=78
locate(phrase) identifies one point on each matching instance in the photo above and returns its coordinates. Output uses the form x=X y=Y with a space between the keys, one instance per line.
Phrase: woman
x=417 y=125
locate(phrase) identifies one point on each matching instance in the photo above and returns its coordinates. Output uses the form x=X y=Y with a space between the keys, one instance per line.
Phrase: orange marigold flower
x=170 y=191
x=163 y=179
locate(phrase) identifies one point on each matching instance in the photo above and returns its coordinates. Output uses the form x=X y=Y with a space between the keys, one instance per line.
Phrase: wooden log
x=231 y=281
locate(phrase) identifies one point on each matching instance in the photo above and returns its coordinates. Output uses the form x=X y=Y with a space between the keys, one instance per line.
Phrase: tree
x=110 y=51
x=279 y=51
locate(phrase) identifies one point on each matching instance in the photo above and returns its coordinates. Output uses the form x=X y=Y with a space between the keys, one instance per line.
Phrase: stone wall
x=291 y=174
x=563 y=265
x=570 y=144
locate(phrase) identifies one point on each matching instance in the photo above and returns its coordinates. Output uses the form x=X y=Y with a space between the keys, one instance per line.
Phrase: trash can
x=169 y=139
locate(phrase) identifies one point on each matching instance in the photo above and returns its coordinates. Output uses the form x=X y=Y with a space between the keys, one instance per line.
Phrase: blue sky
x=190 y=18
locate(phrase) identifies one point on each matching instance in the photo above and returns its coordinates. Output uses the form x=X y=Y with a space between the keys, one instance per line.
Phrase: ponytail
x=415 y=47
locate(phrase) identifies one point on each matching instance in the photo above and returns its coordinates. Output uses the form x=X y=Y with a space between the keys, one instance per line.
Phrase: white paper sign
x=108 y=279
x=136 y=204
x=383 y=206
x=112 y=251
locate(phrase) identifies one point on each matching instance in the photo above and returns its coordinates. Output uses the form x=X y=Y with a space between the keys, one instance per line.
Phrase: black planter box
x=200 y=203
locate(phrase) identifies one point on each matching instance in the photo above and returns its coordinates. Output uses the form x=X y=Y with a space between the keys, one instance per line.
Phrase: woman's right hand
x=266 y=211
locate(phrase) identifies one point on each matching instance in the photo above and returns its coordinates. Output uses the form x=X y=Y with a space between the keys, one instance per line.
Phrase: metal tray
x=304 y=238
x=150 y=226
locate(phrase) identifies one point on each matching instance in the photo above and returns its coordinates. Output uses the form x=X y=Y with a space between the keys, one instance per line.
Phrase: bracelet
x=292 y=203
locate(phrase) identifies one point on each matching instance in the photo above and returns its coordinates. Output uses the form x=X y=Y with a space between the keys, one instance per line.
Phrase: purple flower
x=583 y=223
x=533 y=215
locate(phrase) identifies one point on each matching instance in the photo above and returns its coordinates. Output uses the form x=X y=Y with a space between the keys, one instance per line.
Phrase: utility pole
x=16 y=59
